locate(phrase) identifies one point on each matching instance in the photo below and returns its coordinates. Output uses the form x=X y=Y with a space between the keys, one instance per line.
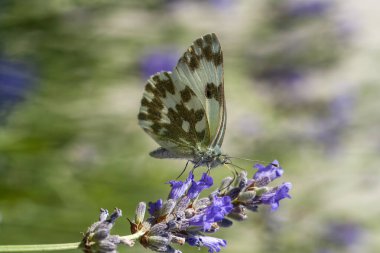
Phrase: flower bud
x=225 y=184
x=158 y=242
x=242 y=179
x=167 y=207
x=178 y=240
x=246 y=196
x=140 y=212
x=262 y=190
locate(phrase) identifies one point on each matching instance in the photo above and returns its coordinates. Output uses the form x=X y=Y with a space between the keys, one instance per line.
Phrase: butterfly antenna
x=184 y=169
x=235 y=166
x=247 y=159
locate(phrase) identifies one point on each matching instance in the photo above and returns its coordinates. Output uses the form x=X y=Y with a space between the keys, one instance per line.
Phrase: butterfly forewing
x=201 y=68
x=184 y=111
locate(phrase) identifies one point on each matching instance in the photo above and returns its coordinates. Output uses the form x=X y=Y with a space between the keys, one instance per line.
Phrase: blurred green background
x=301 y=84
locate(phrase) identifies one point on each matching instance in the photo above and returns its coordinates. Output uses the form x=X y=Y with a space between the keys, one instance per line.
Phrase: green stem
x=54 y=247
x=38 y=247
x=134 y=236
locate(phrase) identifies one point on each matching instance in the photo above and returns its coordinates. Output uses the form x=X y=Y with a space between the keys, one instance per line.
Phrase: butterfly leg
x=234 y=172
x=184 y=169
x=208 y=168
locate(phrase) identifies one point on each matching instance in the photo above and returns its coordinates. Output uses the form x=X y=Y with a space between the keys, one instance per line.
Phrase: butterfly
x=184 y=111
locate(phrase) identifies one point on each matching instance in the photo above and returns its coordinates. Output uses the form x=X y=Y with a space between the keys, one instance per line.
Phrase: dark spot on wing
x=212 y=91
x=142 y=116
x=206 y=44
x=156 y=127
x=208 y=38
x=207 y=52
x=174 y=130
x=193 y=62
x=218 y=58
x=198 y=42
x=186 y=94
x=209 y=91
x=160 y=86
x=198 y=115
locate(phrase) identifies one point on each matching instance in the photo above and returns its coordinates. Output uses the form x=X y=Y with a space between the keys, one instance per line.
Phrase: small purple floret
x=179 y=188
x=219 y=208
x=271 y=171
x=213 y=244
x=197 y=186
x=273 y=198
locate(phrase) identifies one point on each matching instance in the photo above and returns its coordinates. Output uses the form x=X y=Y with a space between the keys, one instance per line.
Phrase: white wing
x=184 y=111
x=201 y=69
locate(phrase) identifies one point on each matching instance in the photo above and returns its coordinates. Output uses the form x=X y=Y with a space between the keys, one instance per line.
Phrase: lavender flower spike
x=184 y=217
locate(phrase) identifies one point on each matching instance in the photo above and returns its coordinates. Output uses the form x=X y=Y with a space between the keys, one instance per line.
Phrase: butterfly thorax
x=211 y=158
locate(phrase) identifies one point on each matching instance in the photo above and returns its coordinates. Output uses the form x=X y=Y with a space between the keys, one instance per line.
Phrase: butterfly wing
x=185 y=111
x=201 y=68
x=173 y=116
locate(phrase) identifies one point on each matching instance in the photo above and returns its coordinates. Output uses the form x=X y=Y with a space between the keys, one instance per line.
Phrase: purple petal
x=220 y=207
x=196 y=187
x=154 y=207
x=213 y=244
x=273 y=198
x=179 y=188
